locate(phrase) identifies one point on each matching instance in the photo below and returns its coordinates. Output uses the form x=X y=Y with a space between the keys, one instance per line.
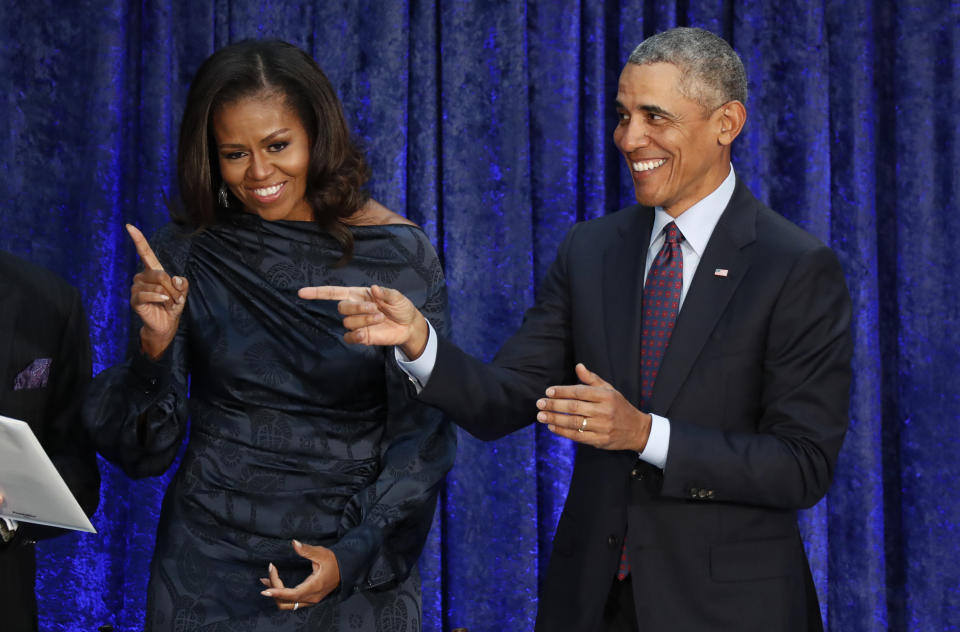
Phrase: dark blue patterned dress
x=294 y=433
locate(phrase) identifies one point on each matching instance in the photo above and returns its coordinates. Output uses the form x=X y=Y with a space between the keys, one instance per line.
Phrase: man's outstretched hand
x=376 y=316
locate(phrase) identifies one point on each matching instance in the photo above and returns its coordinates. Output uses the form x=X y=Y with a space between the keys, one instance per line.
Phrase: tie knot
x=674 y=236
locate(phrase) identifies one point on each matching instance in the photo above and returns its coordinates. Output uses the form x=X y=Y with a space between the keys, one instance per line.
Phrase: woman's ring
x=583 y=425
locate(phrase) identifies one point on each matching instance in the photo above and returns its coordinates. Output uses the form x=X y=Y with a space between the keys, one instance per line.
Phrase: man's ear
x=733 y=116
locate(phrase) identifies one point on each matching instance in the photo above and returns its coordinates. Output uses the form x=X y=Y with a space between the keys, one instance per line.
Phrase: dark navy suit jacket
x=755 y=384
x=42 y=319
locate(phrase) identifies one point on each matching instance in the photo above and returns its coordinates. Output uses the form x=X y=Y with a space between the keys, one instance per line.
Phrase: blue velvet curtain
x=489 y=124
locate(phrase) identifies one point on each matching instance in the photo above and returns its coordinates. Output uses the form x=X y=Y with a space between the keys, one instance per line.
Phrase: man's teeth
x=647 y=165
x=268 y=191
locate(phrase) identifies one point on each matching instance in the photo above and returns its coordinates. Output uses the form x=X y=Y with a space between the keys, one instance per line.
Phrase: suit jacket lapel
x=708 y=295
x=623 y=264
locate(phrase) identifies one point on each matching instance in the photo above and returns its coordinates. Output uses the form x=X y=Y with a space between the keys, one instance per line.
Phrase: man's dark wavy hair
x=338 y=170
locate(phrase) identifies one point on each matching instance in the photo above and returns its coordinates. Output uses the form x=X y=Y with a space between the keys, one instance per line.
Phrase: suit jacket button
x=702 y=493
x=637 y=473
x=612 y=540
x=693 y=492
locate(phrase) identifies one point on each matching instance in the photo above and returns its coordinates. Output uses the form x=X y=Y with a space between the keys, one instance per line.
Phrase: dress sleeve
x=384 y=527
x=136 y=411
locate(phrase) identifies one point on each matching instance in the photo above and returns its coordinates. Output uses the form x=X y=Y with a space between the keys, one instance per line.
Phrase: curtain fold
x=857 y=493
x=490 y=125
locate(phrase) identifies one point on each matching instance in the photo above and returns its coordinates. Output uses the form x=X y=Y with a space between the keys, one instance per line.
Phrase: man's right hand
x=157 y=298
x=376 y=316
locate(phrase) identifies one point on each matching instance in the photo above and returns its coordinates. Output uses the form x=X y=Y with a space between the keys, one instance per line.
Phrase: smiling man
x=695 y=345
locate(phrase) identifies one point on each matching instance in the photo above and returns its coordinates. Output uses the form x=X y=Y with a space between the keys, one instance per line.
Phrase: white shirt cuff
x=11 y=524
x=655 y=453
x=419 y=370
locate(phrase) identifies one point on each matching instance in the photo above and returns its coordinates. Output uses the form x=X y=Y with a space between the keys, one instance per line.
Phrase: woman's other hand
x=320 y=583
x=156 y=297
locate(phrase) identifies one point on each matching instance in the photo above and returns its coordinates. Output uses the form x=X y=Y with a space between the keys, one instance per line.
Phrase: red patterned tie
x=661 y=302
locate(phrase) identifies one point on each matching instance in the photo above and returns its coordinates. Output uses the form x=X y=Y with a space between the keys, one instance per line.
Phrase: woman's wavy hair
x=338 y=170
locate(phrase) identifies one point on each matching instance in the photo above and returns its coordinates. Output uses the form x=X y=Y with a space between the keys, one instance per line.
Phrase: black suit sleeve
x=780 y=447
x=493 y=400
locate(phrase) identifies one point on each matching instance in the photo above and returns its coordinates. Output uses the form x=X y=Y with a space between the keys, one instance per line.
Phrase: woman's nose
x=260 y=167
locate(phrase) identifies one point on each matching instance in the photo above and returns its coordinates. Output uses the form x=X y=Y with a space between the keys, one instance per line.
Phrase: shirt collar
x=697 y=222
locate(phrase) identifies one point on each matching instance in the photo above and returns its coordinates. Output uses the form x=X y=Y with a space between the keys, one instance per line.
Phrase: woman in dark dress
x=310 y=477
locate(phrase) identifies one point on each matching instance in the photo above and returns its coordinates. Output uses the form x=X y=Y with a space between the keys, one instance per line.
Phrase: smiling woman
x=264 y=156
x=255 y=97
x=309 y=481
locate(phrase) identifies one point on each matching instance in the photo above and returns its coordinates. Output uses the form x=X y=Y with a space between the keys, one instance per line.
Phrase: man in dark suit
x=45 y=367
x=696 y=346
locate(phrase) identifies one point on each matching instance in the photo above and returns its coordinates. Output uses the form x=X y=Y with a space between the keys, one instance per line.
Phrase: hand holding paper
x=31 y=489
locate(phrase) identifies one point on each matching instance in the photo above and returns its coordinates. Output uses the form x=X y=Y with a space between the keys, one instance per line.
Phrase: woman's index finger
x=144 y=250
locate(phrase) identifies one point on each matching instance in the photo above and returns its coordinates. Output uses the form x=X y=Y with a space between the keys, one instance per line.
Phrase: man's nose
x=635 y=137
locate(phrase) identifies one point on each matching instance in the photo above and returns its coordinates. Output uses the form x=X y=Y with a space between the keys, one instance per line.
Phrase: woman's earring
x=222 y=196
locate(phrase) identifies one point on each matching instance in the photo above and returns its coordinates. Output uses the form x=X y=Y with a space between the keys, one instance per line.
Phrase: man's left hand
x=612 y=423
x=320 y=583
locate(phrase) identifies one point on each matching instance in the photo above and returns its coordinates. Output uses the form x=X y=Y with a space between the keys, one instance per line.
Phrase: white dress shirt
x=696 y=224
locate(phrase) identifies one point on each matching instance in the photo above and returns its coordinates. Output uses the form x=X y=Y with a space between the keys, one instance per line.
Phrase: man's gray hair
x=711 y=72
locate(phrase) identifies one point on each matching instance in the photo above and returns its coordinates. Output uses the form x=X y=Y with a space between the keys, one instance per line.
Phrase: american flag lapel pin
x=721 y=272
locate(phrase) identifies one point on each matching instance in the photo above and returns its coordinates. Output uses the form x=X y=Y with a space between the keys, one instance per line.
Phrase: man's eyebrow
x=652 y=109
x=655 y=109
